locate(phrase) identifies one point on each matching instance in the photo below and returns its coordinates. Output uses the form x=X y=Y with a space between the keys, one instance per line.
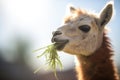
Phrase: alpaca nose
x=55 y=33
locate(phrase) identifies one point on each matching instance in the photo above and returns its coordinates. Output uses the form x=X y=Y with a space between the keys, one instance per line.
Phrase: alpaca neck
x=99 y=65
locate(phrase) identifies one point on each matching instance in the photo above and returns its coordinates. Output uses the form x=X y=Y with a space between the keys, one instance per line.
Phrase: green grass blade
x=52 y=58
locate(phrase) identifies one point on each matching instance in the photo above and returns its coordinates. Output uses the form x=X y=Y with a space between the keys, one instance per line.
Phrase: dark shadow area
x=16 y=71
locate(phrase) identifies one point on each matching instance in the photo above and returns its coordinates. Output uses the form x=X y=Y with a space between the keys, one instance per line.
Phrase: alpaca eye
x=84 y=28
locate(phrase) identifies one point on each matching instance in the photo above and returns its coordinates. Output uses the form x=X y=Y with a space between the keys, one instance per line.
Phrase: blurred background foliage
x=26 y=25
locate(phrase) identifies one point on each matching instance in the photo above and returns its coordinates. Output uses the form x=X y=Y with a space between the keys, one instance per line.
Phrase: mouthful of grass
x=52 y=57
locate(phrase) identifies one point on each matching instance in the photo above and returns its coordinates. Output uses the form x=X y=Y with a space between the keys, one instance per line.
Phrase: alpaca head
x=82 y=31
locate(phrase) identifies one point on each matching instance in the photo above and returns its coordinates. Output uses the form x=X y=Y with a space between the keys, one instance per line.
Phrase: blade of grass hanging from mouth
x=41 y=48
x=52 y=58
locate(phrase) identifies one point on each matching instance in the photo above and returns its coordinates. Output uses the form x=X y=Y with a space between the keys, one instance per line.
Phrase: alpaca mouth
x=60 y=44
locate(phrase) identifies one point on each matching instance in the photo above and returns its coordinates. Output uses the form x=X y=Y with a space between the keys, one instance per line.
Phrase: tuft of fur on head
x=72 y=13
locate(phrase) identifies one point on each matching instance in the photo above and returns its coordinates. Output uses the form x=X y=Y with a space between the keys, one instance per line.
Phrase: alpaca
x=83 y=34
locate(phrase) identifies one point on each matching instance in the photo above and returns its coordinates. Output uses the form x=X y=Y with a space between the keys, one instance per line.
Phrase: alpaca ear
x=72 y=9
x=106 y=14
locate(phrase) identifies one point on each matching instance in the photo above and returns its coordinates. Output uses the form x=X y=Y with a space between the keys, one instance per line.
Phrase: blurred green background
x=26 y=25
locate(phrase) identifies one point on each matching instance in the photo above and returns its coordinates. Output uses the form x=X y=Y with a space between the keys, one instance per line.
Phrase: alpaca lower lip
x=60 y=45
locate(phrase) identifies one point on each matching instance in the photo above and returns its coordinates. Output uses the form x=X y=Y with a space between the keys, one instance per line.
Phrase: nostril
x=56 y=33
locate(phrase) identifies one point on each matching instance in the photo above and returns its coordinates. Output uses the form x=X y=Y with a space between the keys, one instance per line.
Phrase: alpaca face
x=82 y=31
